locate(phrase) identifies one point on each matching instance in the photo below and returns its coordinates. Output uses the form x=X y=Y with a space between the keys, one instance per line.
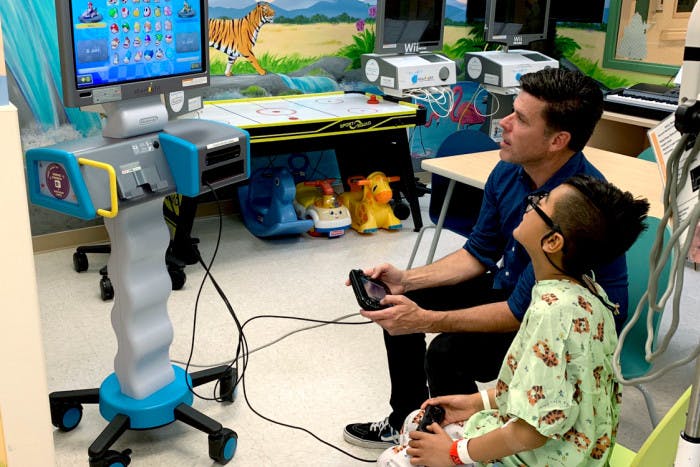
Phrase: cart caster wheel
x=402 y=211
x=177 y=278
x=66 y=416
x=112 y=459
x=222 y=445
x=106 y=289
x=80 y=261
x=227 y=387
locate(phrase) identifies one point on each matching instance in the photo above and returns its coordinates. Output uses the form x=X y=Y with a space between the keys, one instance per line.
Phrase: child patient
x=556 y=402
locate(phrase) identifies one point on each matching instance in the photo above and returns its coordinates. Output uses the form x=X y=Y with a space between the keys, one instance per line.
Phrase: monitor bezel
x=512 y=39
x=84 y=96
x=405 y=47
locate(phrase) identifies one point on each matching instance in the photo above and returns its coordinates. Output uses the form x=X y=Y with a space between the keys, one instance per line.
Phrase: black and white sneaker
x=377 y=435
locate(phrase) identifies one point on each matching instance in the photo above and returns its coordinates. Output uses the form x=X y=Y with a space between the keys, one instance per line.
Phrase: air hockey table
x=366 y=133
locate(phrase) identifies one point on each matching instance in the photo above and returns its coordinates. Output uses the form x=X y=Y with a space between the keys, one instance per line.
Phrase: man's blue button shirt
x=502 y=210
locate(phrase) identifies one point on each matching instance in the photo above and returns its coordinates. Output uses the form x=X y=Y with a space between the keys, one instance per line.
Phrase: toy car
x=316 y=200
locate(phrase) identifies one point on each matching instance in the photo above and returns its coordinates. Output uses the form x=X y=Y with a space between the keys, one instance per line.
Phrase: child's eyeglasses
x=533 y=202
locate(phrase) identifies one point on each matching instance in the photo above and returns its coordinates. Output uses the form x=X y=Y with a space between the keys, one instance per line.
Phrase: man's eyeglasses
x=533 y=202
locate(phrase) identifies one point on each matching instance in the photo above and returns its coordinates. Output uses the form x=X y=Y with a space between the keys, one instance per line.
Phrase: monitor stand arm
x=134 y=117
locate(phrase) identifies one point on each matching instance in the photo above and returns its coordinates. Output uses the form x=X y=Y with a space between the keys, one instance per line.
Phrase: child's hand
x=430 y=449
x=458 y=407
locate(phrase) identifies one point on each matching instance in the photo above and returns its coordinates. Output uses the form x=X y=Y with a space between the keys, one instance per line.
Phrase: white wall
x=24 y=398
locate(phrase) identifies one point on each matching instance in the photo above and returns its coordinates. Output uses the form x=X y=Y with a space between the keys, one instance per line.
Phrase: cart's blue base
x=153 y=411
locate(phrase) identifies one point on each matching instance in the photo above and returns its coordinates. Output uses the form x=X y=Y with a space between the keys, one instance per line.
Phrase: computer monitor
x=476 y=11
x=409 y=26
x=565 y=11
x=516 y=22
x=115 y=50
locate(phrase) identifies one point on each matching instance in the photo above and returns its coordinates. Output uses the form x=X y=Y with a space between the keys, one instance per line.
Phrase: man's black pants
x=454 y=361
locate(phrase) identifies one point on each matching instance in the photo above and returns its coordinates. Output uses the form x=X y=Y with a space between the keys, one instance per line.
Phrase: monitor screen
x=566 y=11
x=476 y=10
x=409 y=26
x=111 y=50
x=516 y=22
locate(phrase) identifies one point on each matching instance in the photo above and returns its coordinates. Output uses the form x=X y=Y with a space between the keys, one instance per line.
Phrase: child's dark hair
x=599 y=223
x=574 y=102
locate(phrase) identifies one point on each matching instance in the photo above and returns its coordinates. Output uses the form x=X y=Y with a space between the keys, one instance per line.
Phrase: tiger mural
x=236 y=37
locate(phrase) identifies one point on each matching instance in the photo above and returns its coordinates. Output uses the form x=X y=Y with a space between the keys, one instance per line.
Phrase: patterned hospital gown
x=557 y=376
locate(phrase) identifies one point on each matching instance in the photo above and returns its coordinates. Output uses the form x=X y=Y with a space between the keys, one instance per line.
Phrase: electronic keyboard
x=643 y=100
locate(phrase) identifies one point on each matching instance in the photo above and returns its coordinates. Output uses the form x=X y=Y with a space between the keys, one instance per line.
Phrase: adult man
x=554 y=116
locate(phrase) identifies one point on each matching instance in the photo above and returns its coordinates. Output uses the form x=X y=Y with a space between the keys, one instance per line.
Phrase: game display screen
x=412 y=21
x=516 y=22
x=373 y=289
x=520 y=17
x=401 y=22
x=121 y=41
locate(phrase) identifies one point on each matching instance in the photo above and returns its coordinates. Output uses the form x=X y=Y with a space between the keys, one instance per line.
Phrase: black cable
x=299 y=318
x=308 y=432
x=315 y=171
x=242 y=347
x=242 y=343
x=420 y=140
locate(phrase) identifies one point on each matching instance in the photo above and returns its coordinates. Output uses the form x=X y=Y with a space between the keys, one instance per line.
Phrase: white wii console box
x=504 y=69
x=396 y=73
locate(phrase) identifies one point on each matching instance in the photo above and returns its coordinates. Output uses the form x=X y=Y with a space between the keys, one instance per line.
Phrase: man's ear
x=553 y=243
x=560 y=141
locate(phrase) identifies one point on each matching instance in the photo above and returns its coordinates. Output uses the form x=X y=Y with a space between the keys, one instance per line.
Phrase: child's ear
x=553 y=243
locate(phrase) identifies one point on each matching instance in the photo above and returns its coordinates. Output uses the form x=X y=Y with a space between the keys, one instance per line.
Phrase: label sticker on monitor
x=176 y=100
x=194 y=81
x=108 y=94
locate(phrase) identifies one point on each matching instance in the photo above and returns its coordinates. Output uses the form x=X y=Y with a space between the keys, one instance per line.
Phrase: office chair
x=176 y=268
x=461 y=214
x=659 y=449
x=647 y=155
x=633 y=356
x=175 y=259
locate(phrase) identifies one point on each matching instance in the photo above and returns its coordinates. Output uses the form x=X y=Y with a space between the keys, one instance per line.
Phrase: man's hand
x=458 y=407
x=430 y=449
x=389 y=274
x=404 y=316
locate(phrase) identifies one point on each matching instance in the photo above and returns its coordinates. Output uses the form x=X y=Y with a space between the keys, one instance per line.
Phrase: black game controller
x=433 y=414
x=369 y=292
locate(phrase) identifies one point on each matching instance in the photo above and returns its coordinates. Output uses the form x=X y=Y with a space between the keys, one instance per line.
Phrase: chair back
x=465 y=203
x=647 y=155
x=659 y=449
x=632 y=356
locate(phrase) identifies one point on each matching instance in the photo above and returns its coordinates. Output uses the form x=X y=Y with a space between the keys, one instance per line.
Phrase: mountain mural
x=292 y=8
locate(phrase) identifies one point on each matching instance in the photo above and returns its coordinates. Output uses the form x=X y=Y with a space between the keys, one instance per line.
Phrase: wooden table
x=640 y=177
x=621 y=133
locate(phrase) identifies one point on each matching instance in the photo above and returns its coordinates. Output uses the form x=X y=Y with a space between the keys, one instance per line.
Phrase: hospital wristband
x=459 y=452
x=485 y=399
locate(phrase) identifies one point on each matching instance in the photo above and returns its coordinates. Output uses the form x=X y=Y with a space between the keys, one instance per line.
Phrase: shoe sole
x=367 y=444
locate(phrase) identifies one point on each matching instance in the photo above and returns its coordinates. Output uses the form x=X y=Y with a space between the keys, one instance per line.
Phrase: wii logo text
x=411 y=48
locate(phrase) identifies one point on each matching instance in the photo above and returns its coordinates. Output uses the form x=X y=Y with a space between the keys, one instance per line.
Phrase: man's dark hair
x=574 y=102
x=599 y=223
